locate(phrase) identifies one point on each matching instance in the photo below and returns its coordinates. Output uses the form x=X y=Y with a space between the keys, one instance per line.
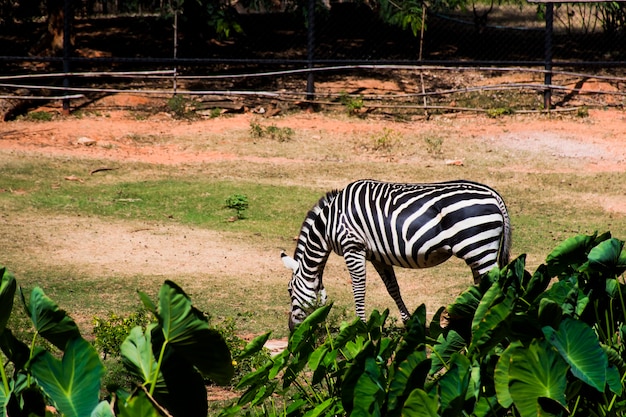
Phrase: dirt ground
x=598 y=143
x=595 y=144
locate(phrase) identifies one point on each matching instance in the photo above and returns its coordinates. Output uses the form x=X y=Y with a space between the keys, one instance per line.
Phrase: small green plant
x=281 y=134
x=215 y=112
x=499 y=111
x=434 y=145
x=582 y=112
x=110 y=332
x=39 y=116
x=353 y=104
x=256 y=130
x=386 y=140
x=183 y=108
x=239 y=203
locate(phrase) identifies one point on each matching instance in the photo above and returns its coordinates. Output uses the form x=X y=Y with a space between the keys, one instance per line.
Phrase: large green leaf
x=493 y=296
x=177 y=316
x=73 y=383
x=5 y=394
x=447 y=344
x=571 y=299
x=187 y=331
x=50 y=322
x=103 y=409
x=579 y=346
x=494 y=325
x=348 y=332
x=466 y=303
x=410 y=374
x=256 y=345
x=501 y=375
x=14 y=349
x=538 y=284
x=529 y=374
x=305 y=331
x=419 y=404
x=185 y=391
x=572 y=253
x=608 y=257
x=414 y=334
x=355 y=369
x=256 y=377
x=137 y=356
x=369 y=391
x=139 y=405
x=321 y=409
x=7 y=294
x=453 y=385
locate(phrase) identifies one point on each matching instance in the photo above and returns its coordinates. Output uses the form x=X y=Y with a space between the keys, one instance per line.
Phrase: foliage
x=434 y=145
x=110 y=332
x=406 y=14
x=243 y=364
x=353 y=104
x=38 y=116
x=239 y=203
x=281 y=134
x=170 y=358
x=386 y=140
x=499 y=111
x=513 y=346
x=182 y=107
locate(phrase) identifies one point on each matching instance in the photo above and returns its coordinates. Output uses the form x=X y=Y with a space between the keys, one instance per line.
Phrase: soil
x=595 y=144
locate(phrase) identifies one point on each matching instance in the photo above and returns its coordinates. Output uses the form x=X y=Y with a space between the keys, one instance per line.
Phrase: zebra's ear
x=289 y=262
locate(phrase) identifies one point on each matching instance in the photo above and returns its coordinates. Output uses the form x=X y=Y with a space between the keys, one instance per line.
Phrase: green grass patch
x=193 y=200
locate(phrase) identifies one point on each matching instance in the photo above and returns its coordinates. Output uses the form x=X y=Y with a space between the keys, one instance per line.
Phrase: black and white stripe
x=391 y=224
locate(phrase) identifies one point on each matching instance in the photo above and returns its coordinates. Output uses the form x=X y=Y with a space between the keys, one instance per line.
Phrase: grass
x=549 y=199
x=546 y=207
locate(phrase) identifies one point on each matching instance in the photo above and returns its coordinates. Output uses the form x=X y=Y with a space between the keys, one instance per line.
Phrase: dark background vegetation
x=217 y=38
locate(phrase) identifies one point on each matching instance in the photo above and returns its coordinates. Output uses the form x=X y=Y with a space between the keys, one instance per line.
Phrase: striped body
x=406 y=225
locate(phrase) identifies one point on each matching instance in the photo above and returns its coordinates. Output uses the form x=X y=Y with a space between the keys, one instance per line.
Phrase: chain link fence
x=491 y=56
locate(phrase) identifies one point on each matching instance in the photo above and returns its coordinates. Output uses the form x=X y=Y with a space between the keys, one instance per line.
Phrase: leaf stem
x=157 y=371
x=5 y=381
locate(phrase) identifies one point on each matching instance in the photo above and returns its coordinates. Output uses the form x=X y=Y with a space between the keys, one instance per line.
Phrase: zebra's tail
x=505 y=243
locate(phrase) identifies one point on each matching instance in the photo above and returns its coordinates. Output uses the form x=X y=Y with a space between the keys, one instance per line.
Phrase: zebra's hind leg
x=388 y=276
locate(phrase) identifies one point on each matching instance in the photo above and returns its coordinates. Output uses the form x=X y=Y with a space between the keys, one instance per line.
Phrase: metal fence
x=344 y=53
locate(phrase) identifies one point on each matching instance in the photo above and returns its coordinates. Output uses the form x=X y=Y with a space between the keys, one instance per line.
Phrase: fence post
x=310 y=85
x=67 y=45
x=547 y=93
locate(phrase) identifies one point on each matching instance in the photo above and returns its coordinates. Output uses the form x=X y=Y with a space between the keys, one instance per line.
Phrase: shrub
x=239 y=203
x=110 y=332
x=281 y=134
x=512 y=345
x=170 y=359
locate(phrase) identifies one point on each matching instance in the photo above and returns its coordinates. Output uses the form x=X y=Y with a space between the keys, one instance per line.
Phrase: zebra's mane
x=310 y=218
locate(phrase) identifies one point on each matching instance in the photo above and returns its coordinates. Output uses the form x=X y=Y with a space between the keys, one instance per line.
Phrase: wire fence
x=477 y=60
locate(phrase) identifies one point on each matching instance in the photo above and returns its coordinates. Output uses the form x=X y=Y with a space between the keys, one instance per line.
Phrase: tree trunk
x=51 y=42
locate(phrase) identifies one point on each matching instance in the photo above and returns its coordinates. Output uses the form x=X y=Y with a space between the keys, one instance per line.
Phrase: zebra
x=396 y=224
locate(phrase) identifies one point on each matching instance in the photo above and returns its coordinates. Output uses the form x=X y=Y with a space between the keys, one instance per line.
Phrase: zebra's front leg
x=355 y=261
x=388 y=276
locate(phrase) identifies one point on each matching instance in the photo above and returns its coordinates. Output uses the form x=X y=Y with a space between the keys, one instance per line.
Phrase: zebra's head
x=306 y=294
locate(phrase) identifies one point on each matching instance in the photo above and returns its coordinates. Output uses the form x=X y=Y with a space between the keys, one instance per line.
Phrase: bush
x=512 y=345
x=110 y=332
